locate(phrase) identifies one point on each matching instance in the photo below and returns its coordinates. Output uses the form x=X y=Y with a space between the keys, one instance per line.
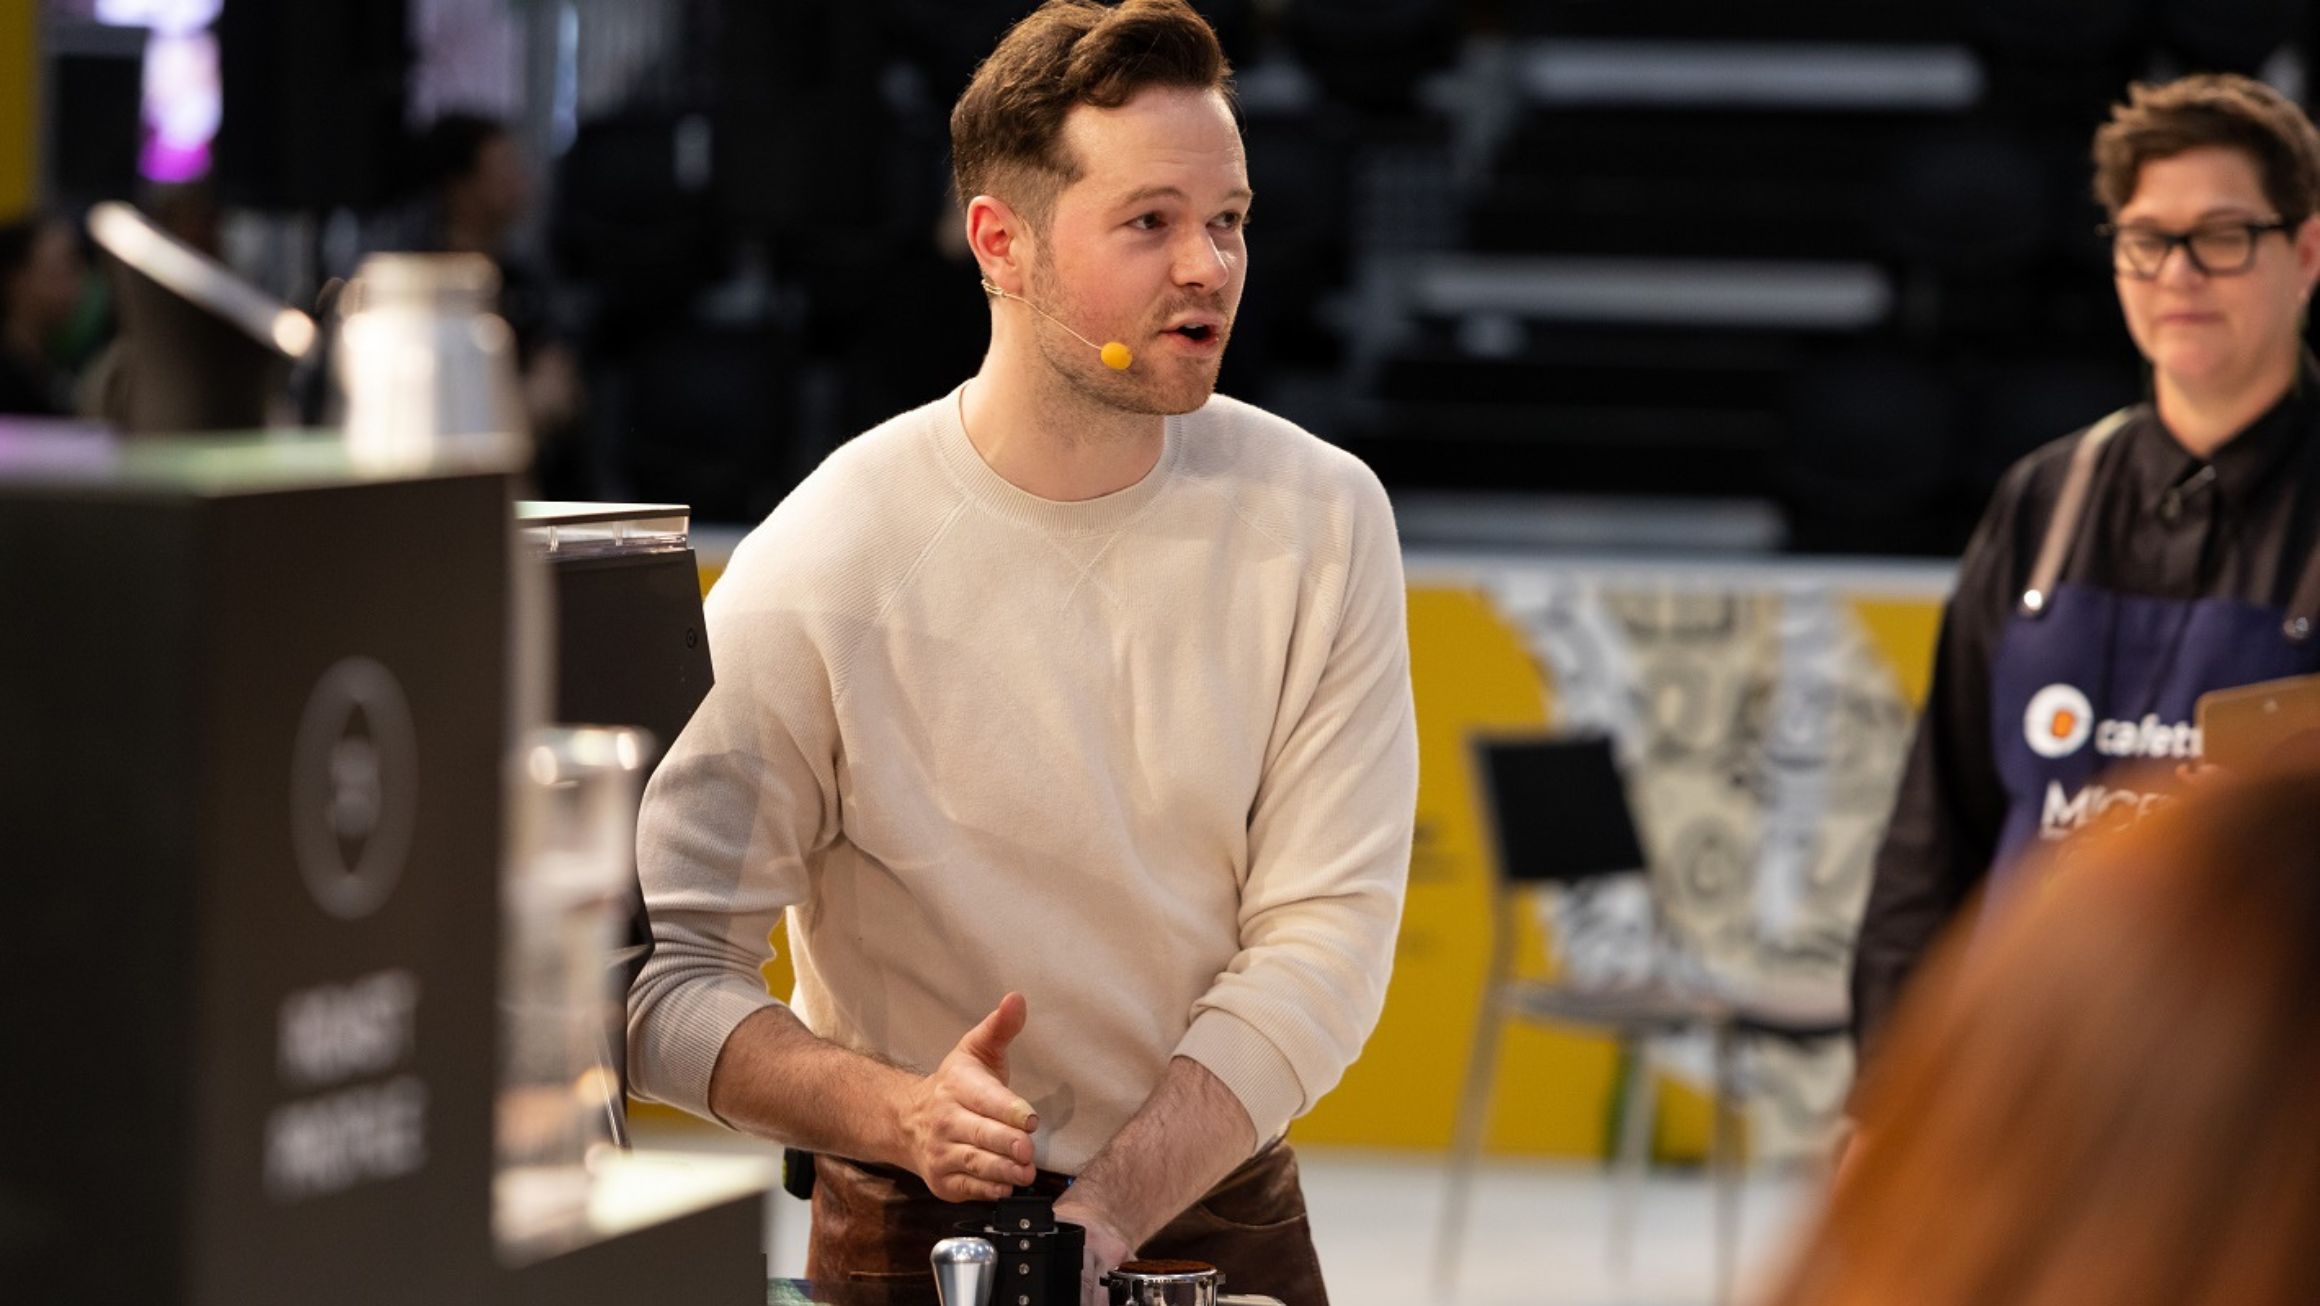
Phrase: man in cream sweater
x=1068 y=720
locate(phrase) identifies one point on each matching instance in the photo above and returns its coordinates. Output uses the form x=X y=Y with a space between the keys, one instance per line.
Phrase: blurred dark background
x=1815 y=271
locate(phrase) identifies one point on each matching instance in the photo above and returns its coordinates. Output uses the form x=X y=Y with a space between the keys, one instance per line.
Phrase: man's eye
x=1232 y=221
x=1145 y=222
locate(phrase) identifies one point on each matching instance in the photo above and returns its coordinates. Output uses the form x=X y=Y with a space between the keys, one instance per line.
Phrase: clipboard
x=2253 y=726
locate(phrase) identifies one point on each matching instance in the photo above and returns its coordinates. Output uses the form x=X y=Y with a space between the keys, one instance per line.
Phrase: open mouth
x=1195 y=332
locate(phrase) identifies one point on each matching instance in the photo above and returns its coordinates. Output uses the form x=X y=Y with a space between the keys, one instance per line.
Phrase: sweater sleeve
x=1951 y=806
x=1329 y=855
x=746 y=794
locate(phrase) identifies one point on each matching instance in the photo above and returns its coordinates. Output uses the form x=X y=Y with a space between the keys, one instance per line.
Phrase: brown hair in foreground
x=1007 y=128
x=2111 y=1094
x=2225 y=109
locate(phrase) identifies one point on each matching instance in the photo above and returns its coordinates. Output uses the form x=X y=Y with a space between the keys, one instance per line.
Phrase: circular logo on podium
x=354 y=788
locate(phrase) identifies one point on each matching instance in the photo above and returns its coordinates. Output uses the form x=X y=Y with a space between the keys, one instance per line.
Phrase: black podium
x=253 y=706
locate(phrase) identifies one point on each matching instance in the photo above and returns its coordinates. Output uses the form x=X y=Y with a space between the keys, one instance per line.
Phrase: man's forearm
x=777 y=1079
x=1189 y=1134
x=961 y=1129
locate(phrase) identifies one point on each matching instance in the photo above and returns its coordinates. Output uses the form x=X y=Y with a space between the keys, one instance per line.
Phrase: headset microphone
x=1114 y=354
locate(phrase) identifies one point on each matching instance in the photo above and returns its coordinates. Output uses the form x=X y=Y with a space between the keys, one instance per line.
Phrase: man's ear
x=2307 y=238
x=1000 y=241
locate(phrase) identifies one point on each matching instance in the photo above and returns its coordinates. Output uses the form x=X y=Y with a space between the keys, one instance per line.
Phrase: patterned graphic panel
x=1762 y=732
x=1760 y=715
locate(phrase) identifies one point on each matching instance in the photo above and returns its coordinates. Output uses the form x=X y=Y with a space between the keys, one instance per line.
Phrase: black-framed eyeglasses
x=2215 y=249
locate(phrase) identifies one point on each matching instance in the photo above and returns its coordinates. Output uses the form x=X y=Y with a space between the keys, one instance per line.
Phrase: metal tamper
x=962 y=1271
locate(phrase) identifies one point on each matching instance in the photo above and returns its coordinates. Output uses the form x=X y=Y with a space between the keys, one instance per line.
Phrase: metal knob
x=962 y=1271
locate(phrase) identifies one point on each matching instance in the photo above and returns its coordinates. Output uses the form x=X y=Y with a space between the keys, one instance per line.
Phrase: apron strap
x=2062 y=529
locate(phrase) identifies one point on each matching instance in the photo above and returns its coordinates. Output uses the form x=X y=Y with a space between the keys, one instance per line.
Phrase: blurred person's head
x=2235 y=166
x=2111 y=1092
x=187 y=210
x=1100 y=169
x=40 y=278
x=474 y=169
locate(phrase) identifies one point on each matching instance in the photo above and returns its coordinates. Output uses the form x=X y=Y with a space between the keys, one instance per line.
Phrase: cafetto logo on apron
x=2060 y=721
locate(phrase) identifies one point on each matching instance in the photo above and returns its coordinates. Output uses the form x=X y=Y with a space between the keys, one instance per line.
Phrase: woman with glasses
x=2126 y=569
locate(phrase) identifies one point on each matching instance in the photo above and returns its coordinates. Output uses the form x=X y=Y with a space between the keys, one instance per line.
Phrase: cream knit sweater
x=1148 y=758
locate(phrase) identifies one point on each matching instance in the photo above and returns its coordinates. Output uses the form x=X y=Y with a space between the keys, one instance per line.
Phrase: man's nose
x=1201 y=264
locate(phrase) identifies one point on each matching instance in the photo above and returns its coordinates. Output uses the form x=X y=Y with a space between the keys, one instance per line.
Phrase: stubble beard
x=1089 y=382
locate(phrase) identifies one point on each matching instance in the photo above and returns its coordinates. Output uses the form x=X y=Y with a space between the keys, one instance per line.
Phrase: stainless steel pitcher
x=427 y=366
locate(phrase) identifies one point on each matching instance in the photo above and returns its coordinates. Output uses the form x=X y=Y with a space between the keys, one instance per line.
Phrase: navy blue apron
x=2093 y=692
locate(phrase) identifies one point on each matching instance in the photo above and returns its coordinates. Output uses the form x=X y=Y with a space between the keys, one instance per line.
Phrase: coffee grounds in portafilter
x=1166 y=1267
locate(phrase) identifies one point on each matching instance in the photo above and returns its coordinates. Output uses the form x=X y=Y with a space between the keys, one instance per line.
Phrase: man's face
x=1146 y=248
x=2214 y=330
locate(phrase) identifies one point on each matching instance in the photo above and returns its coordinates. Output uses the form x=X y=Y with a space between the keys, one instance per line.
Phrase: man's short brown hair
x=1007 y=128
x=2225 y=109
